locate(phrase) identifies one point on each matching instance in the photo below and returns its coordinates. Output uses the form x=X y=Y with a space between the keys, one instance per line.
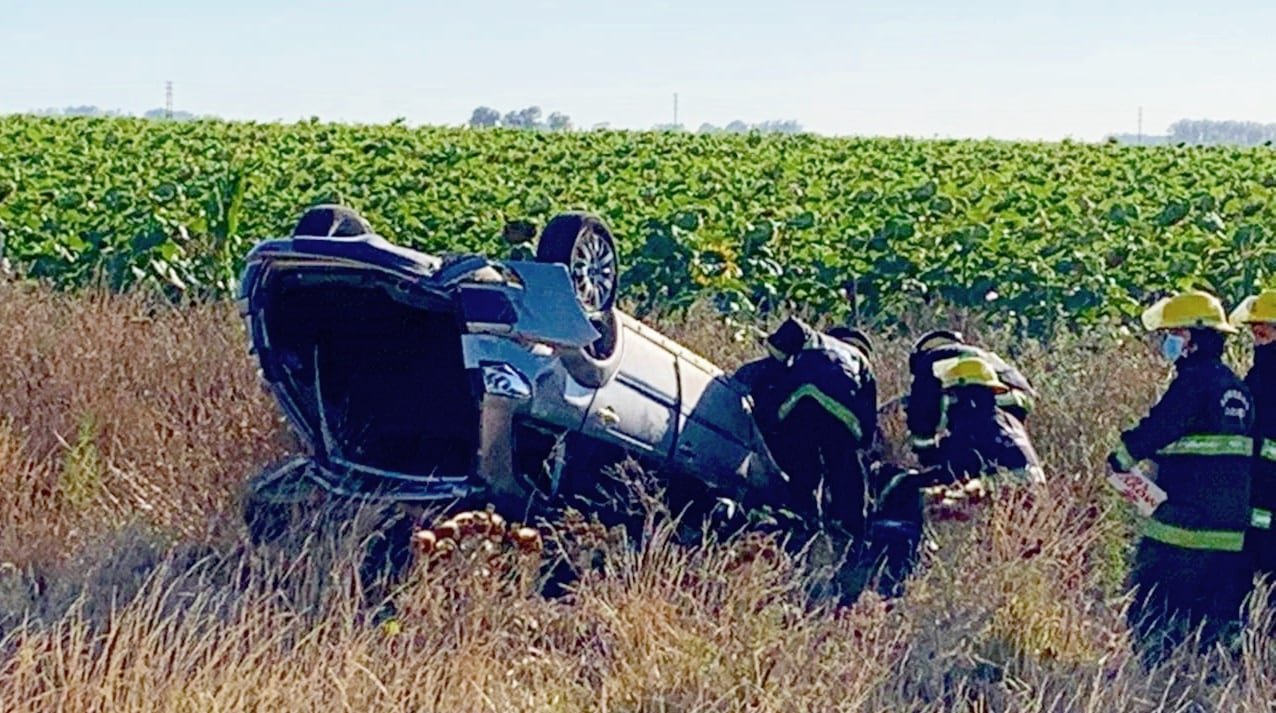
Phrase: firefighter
x=924 y=403
x=1189 y=568
x=1258 y=312
x=815 y=402
x=982 y=440
x=983 y=443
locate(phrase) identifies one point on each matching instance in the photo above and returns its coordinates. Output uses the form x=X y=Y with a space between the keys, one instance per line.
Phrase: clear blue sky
x=1013 y=69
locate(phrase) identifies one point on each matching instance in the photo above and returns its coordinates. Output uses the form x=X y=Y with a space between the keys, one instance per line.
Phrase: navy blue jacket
x=984 y=440
x=1261 y=381
x=924 y=407
x=1199 y=437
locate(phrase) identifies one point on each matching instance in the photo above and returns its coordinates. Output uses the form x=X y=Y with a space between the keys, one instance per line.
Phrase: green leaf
x=687 y=220
x=802 y=221
x=1210 y=222
x=925 y=192
x=1172 y=213
x=145 y=242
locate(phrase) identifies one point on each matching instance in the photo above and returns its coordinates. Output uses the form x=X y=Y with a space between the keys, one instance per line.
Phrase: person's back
x=815 y=402
x=844 y=372
x=983 y=441
x=980 y=439
x=924 y=406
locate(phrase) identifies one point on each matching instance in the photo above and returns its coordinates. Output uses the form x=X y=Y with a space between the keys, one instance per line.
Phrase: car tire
x=584 y=244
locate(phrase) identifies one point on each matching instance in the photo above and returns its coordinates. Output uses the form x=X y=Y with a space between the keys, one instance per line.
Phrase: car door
x=718 y=440
x=638 y=407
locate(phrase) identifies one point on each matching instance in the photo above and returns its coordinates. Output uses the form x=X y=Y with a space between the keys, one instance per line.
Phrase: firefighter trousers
x=1179 y=589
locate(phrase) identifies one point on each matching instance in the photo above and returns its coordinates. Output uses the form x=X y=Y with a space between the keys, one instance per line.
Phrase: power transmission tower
x=675 y=110
x=168 y=99
x=1140 y=126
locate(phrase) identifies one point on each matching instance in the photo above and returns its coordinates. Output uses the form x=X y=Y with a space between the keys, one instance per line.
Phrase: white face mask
x=1173 y=347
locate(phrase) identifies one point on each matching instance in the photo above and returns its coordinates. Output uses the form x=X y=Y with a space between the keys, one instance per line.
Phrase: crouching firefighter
x=815 y=403
x=984 y=443
x=1189 y=569
x=981 y=441
x=924 y=405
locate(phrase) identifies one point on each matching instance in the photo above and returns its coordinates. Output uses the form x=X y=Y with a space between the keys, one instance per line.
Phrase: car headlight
x=501 y=379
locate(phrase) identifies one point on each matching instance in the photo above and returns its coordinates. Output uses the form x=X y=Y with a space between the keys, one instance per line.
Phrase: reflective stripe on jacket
x=829 y=373
x=1199 y=436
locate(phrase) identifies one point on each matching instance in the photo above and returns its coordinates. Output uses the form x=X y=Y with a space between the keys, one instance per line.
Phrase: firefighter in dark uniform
x=1258 y=312
x=981 y=441
x=1189 y=568
x=984 y=444
x=815 y=403
x=924 y=404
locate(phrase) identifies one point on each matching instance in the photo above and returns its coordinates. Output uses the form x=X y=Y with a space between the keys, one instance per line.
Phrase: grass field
x=127 y=426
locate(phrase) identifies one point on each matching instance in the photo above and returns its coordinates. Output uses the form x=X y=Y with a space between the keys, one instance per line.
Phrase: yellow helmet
x=1255 y=309
x=968 y=371
x=1188 y=310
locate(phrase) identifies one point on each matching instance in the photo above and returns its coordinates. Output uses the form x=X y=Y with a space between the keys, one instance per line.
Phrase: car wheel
x=583 y=242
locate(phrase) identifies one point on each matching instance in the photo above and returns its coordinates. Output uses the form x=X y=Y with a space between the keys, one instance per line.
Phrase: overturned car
x=464 y=380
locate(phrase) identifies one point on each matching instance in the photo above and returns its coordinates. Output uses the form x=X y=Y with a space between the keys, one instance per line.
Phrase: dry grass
x=126 y=430
x=119 y=410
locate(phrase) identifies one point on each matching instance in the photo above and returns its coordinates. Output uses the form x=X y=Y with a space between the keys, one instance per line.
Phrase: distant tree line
x=786 y=126
x=89 y=110
x=529 y=118
x=1206 y=132
x=1188 y=131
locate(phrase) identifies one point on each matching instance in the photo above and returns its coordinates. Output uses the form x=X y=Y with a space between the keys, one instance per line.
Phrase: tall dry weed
x=117 y=409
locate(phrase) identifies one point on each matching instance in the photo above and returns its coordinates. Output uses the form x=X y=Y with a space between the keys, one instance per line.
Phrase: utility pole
x=168 y=99
x=1140 y=126
x=675 y=110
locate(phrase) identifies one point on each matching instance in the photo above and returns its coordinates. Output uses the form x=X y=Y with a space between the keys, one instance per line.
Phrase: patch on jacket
x=1235 y=405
